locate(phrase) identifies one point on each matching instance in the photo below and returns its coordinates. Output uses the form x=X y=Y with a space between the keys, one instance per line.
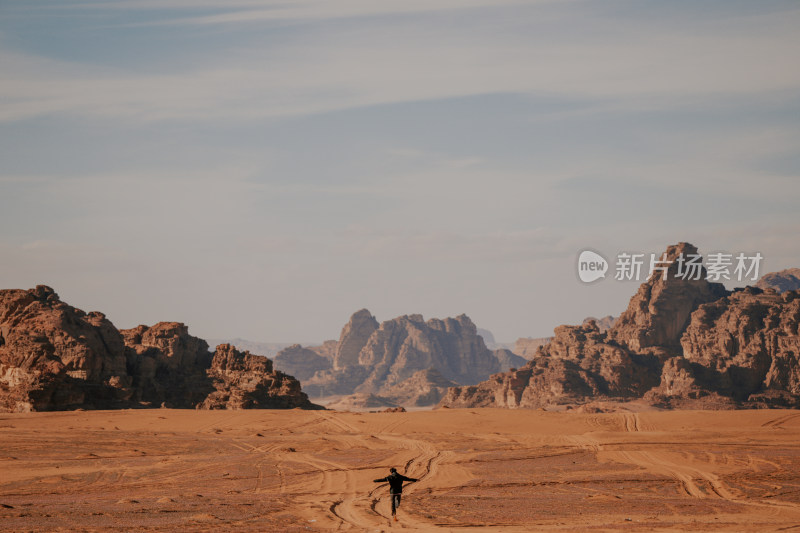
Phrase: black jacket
x=395 y=482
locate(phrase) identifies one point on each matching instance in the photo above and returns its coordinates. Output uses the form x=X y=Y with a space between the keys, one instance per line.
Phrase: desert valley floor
x=497 y=470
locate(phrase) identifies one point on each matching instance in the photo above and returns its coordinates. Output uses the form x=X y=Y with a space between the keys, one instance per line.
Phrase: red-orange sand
x=495 y=470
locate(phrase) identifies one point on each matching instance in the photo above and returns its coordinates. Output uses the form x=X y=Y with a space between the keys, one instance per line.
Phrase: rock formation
x=423 y=388
x=327 y=349
x=745 y=347
x=56 y=357
x=782 y=281
x=488 y=338
x=245 y=381
x=391 y=352
x=577 y=364
x=167 y=365
x=300 y=362
x=526 y=347
x=603 y=324
x=400 y=347
x=509 y=359
x=659 y=312
x=53 y=355
x=353 y=338
x=269 y=349
x=680 y=343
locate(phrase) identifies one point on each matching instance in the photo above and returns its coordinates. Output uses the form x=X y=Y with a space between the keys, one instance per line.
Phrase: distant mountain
x=424 y=388
x=372 y=357
x=488 y=338
x=681 y=343
x=526 y=347
x=300 y=362
x=509 y=359
x=782 y=281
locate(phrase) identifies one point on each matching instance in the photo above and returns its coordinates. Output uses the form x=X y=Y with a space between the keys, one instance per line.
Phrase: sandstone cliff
x=56 y=357
x=167 y=365
x=659 y=312
x=745 y=347
x=245 y=381
x=354 y=337
x=372 y=357
x=680 y=343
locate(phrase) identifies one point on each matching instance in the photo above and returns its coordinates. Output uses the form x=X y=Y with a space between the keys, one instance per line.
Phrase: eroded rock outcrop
x=680 y=343
x=603 y=324
x=578 y=363
x=54 y=357
x=167 y=365
x=404 y=345
x=397 y=348
x=245 y=381
x=354 y=337
x=659 y=312
x=746 y=347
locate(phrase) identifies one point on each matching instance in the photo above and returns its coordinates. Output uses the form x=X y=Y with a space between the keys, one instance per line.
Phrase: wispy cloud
x=630 y=63
x=253 y=11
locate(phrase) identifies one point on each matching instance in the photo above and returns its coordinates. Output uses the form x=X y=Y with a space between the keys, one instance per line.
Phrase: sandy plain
x=495 y=470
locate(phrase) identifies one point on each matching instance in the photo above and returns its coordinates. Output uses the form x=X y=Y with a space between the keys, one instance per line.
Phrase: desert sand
x=490 y=469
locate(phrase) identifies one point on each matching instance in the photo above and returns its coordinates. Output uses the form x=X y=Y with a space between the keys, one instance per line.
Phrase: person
x=395 y=488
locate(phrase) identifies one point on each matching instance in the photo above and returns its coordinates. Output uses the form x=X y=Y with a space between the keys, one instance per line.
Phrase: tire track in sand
x=364 y=510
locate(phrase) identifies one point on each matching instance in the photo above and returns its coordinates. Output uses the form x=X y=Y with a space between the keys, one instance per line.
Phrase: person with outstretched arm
x=395 y=481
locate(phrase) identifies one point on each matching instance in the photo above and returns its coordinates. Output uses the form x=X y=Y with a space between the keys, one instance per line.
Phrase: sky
x=263 y=169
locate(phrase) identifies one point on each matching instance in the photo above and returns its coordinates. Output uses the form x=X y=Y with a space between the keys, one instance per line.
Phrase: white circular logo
x=591 y=266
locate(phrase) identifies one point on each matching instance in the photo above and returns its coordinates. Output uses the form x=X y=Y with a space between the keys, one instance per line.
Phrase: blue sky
x=263 y=169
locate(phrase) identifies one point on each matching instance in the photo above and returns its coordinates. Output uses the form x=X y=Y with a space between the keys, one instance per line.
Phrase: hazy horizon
x=262 y=170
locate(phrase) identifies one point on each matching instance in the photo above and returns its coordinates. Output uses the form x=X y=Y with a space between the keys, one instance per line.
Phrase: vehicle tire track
x=777 y=422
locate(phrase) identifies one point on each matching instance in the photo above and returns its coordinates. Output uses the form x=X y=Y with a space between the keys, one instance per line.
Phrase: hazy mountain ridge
x=404 y=353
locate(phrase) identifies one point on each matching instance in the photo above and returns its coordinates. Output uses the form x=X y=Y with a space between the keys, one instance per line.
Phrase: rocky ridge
x=680 y=343
x=56 y=357
x=373 y=358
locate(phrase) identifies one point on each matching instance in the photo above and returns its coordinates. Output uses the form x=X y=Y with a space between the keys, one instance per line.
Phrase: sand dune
x=497 y=470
